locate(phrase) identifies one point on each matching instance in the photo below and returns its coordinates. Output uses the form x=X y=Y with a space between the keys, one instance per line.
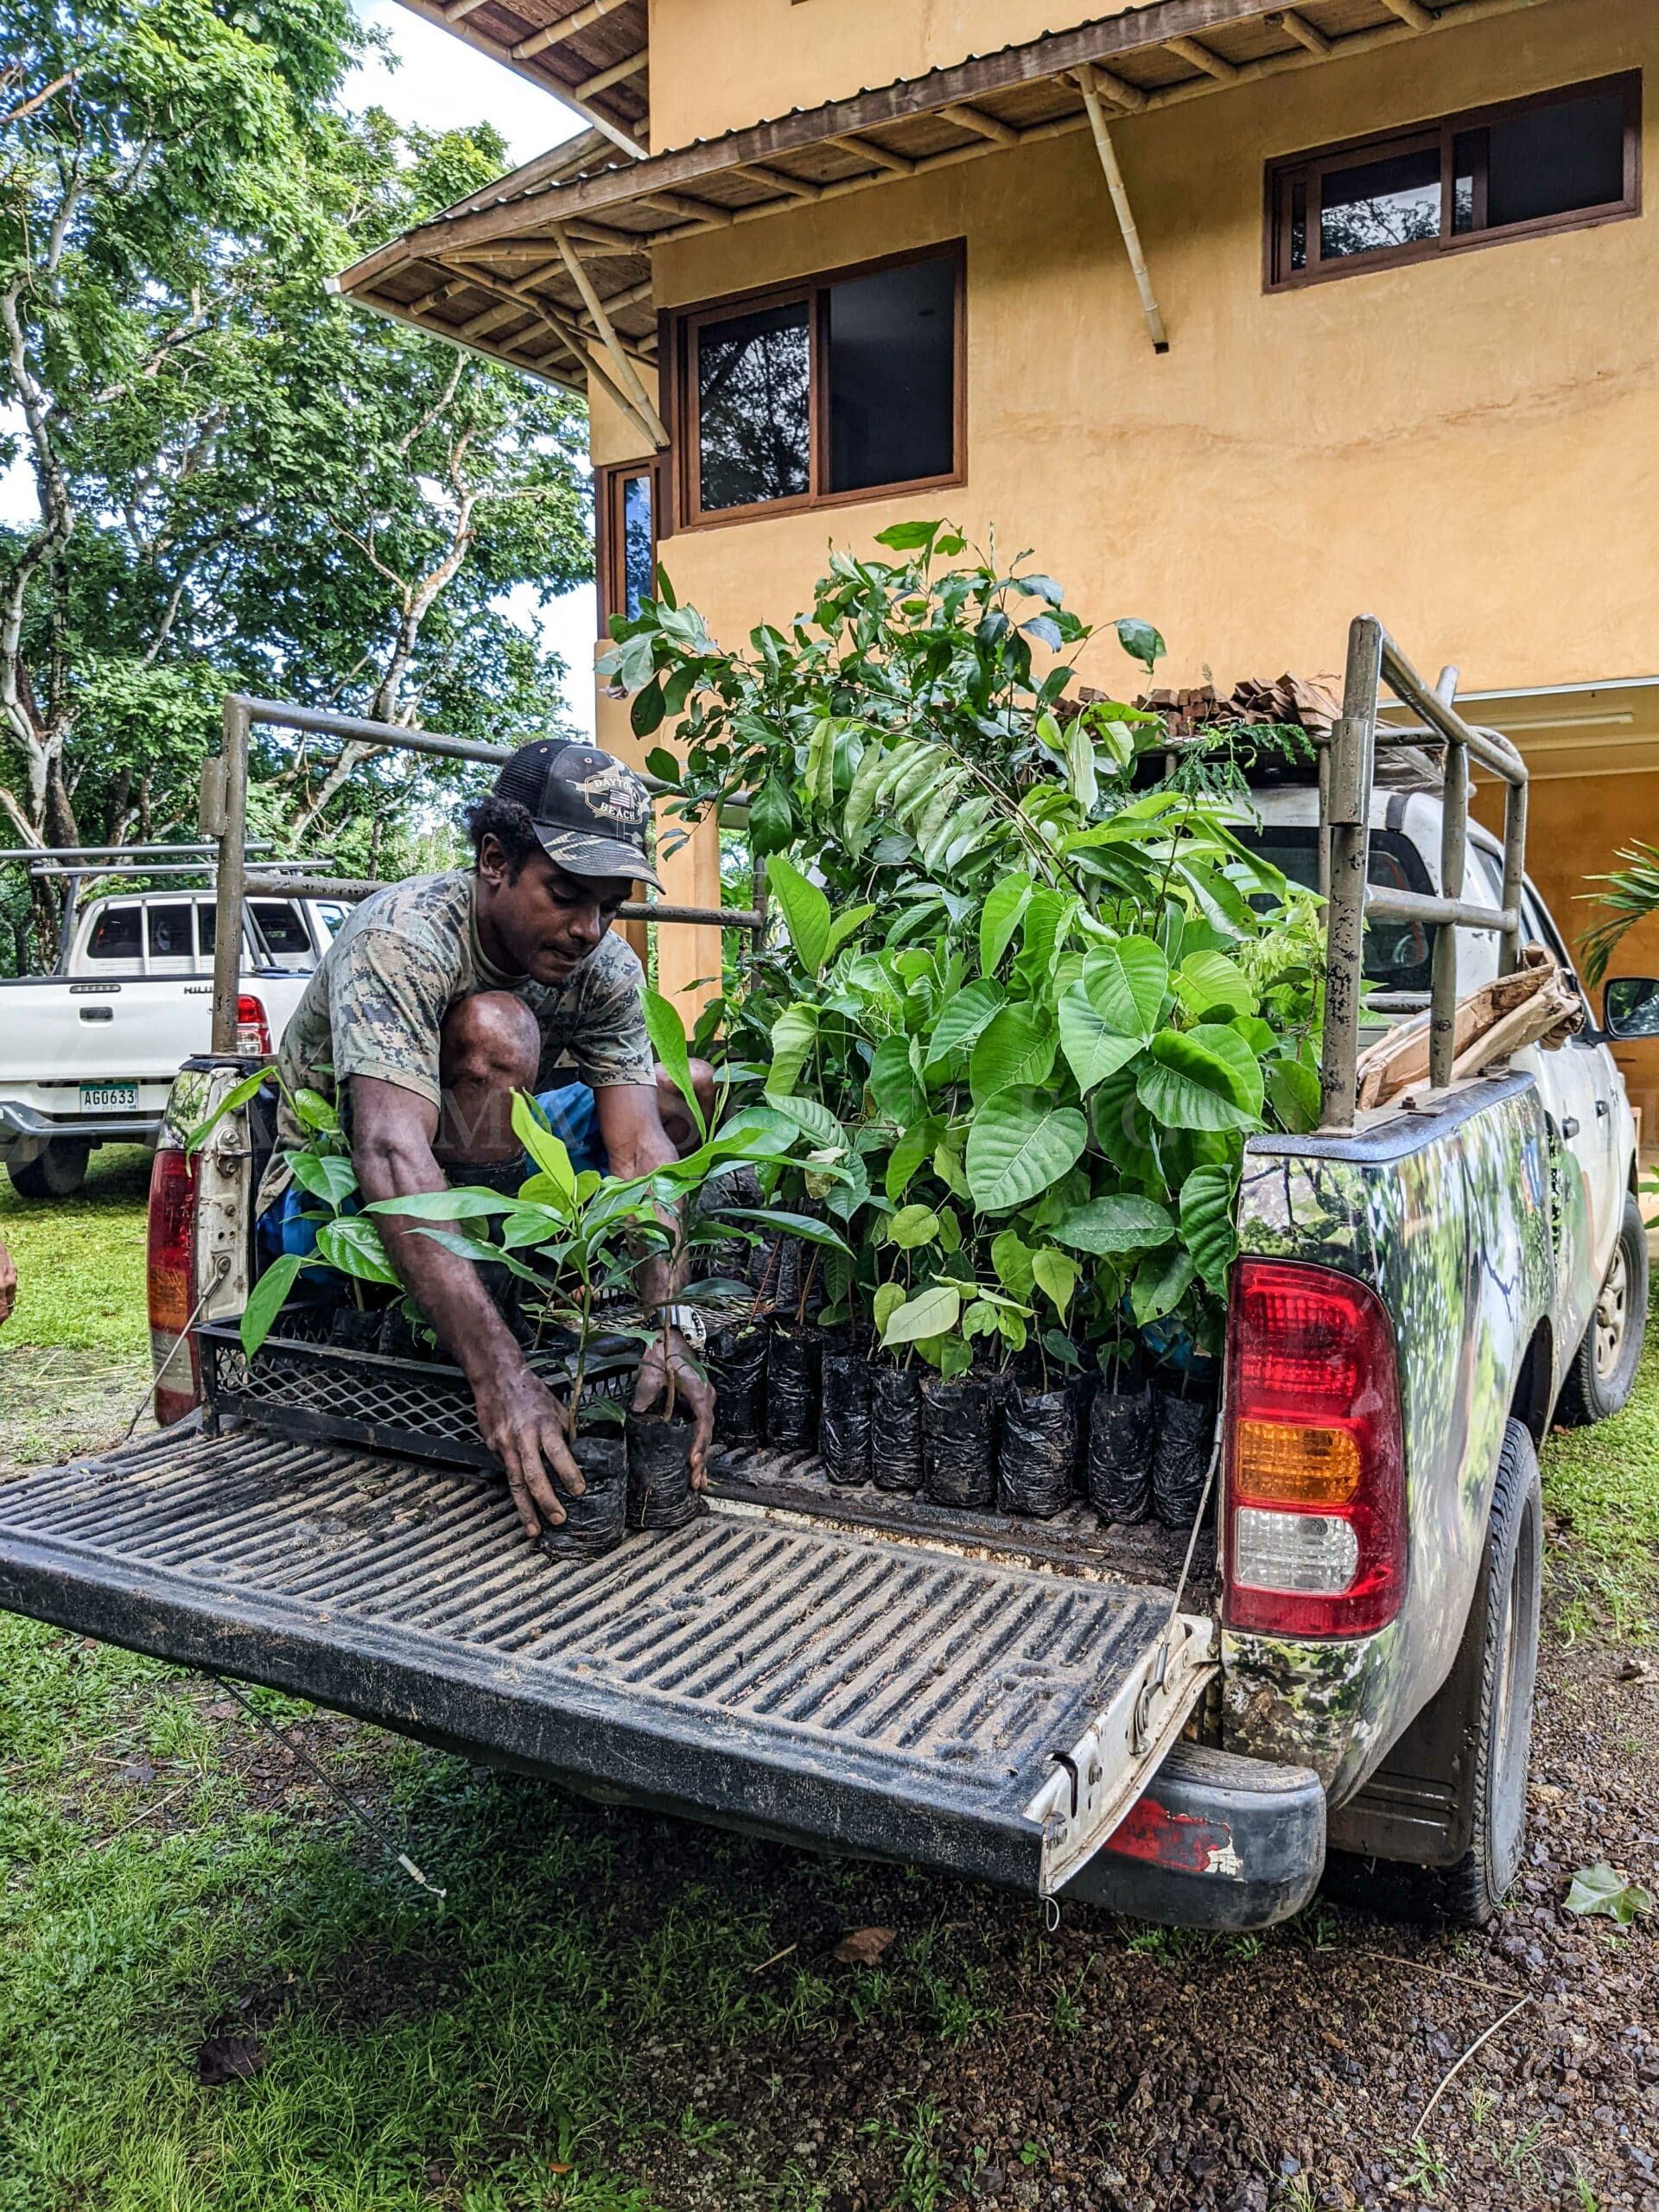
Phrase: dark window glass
x=753 y=408
x=282 y=926
x=638 y=542
x=1468 y=168
x=1299 y=225
x=891 y=370
x=1551 y=159
x=115 y=935
x=169 y=932
x=333 y=919
x=1376 y=205
x=206 y=926
x=1397 y=956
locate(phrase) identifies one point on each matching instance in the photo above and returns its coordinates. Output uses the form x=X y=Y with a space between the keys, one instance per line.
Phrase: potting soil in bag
x=660 y=1494
x=1037 y=1458
x=595 y=1522
x=1180 y=1458
x=792 y=1386
x=844 y=1418
x=896 y=1429
x=959 y=1439
x=736 y=1361
x=1118 y=1472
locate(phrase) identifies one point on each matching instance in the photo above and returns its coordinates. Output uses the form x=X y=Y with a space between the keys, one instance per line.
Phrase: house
x=1245 y=317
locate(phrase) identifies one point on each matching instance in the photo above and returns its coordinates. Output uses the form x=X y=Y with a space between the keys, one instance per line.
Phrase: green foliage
x=1037 y=995
x=241 y=481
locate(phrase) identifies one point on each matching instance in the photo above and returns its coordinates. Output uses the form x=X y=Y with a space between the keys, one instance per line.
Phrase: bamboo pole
x=619 y=71
x=1213 y=65
x=645 y=408
x=566 y=26
x=1298 y=26
x=1126 y=224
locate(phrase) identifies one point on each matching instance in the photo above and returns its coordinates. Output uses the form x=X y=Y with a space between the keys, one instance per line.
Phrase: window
x=1562 y=159
x=169 y=931
x=282 y=928
x=206 y=926
x=115 y=935
x=823 y=391
x=1397 y=956
x=626 y=504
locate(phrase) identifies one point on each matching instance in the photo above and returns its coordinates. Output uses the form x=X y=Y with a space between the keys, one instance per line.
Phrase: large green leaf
x=1057 y=1274
x=352 y=1246
x=667 y=1034
x=1125 y=984
x=999 y=918
x=1205 y=979
x=889 y=1297
x=794 y=1037
x=1016 y=1050
x=805 y=911
x=1160 y=1282
x=911 y=1227
x=930 y=1313
x=1121 y=1222
x=1093 y=1050
x=909 y=1152
x=544 y=1148
x=327 y=1175
x=963 y=1017
x=1202 y=1079
x=861 y=798
x=266 y=1298
x=1011 y=1257
x=466 y=1204
x=1295 y=1094
x=772 y=822
x=1017 y=1145
x=236 y=1097
x=894 y=1084
x=803 y=1226
x=1207 y=1228
x=812 y=1117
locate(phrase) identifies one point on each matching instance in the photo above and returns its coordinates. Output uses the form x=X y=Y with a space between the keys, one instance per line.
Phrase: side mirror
x=1629 y=1006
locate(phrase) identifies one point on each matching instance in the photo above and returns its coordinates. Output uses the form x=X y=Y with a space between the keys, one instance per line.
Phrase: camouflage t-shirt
x=378 y=999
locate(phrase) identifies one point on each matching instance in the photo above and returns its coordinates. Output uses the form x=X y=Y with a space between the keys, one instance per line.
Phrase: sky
x=431 y=77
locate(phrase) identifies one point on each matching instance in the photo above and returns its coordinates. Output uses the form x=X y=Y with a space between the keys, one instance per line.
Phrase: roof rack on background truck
x=1177 y=1726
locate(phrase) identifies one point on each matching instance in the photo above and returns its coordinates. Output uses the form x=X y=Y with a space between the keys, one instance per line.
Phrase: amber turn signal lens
x=1285 y=1464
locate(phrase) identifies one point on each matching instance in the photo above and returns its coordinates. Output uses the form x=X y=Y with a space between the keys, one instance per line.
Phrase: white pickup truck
x=88 y=1054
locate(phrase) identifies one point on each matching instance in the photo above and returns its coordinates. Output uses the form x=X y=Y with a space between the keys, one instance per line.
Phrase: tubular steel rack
x=225 y=816
x=1347 y=772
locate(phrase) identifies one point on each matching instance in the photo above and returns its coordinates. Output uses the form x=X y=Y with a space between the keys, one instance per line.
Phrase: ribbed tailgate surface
x=802 y=1678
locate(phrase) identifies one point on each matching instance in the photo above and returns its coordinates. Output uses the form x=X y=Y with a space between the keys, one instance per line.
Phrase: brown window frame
x=813 y=293
x=608 y=554
x=1307 y=169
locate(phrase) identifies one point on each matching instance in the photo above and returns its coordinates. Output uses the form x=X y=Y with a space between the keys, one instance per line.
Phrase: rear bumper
x=26 y=1129
x=1216 y=1841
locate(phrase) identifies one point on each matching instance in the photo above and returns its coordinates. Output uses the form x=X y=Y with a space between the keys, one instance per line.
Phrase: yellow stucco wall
x=1468 y=447
x=716 y=65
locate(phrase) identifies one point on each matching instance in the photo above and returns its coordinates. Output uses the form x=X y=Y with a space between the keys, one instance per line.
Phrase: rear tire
x=1504 y=1619
x=58 y=1172
x=1603 y=1371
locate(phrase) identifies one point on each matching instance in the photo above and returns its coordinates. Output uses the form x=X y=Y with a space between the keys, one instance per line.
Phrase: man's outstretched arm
x=521 y=1420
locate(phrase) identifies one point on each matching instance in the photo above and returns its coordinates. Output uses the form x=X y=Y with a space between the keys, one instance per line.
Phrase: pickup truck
x=88 y=1053
x=1192 y=1730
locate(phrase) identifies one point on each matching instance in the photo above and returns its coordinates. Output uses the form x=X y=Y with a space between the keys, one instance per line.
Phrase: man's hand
x=690 y=1385
x=8 y=1281
x=522 y=1423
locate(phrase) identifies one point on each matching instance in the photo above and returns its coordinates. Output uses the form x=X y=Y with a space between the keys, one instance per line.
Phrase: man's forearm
x=447 y=1288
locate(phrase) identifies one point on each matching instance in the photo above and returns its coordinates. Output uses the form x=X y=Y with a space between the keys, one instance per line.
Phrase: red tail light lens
x=253 y=1029
x=1315 y=1501
x=171 y=1284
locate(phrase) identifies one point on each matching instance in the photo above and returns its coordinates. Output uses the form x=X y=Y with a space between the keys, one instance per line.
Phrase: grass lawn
x=176 y=1896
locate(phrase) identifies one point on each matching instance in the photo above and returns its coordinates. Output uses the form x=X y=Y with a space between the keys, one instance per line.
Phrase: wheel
x=1501 y=1647
x=58 y=1172
x=1603 y=1372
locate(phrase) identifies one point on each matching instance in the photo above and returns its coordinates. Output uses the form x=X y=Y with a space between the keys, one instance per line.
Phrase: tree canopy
x=241 y=481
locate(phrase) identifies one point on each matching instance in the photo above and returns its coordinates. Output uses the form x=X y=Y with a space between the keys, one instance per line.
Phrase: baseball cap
x=590 y=808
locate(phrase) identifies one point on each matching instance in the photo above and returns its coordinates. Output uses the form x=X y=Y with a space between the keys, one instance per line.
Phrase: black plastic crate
x=298 y=1384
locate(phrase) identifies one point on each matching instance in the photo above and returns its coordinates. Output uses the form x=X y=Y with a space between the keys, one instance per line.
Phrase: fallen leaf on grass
x=229 y=2058
x=1602 y=1889
x=862 y=1947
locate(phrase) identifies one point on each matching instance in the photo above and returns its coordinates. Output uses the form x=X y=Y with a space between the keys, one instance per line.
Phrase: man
x=439 y=999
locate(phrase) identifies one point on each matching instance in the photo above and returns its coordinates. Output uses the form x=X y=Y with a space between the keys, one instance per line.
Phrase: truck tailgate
x=813 y=1682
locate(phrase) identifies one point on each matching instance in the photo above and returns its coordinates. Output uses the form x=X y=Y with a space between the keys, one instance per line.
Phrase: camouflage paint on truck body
x=1448 y=1216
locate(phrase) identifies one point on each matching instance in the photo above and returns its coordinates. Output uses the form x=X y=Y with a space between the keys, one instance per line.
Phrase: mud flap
x=1097 y=1778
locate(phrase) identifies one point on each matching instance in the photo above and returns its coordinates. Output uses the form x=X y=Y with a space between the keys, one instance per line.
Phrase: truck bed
x=898 y=1698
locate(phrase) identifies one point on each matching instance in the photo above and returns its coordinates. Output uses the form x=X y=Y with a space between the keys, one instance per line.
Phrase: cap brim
x=585 y=856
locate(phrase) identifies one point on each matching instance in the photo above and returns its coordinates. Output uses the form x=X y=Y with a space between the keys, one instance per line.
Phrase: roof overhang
x=591 y=55
x=1568 y=731
x=516 y=272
